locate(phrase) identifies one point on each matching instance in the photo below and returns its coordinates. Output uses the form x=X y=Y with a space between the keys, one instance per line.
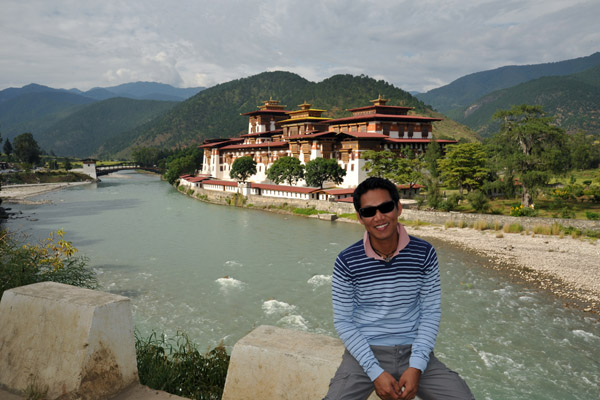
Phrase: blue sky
x=415 y=45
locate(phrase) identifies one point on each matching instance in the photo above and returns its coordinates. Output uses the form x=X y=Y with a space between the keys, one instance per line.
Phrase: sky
x=415 y=45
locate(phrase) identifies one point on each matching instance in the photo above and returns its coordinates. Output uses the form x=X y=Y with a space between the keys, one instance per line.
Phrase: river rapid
x=216 y=272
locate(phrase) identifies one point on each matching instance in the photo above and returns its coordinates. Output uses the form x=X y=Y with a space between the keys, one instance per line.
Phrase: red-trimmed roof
x=225 y=142
x=267 y=111
x=282 y=188
x=338 y=191
x=371 y=107
x=255 y=145
x=382 y=117
x=310 y=135
x=365 y=135
x=218 y=182
x=345 y=200
x=396 y=140
x=266 y=133
x=198 y=178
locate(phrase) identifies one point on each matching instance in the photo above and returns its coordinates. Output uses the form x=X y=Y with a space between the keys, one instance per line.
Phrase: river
x=216 y=272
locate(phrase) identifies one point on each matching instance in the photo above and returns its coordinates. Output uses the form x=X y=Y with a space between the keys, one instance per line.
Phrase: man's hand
x=387 y=387
x=409 y=383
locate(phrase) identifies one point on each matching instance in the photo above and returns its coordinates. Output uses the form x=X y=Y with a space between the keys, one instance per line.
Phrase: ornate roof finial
x=379 y=101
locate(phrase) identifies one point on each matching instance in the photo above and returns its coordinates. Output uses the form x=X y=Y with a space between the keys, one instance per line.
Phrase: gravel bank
x=568 y=267
x=18 y=194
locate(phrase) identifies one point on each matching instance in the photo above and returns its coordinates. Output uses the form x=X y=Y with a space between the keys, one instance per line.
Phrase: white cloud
x=414 y=45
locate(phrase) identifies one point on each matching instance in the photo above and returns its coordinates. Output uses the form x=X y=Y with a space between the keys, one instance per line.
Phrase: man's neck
x=385 y=246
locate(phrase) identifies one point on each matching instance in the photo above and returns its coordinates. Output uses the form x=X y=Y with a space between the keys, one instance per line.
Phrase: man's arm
x=430 y=299
x=343 y=306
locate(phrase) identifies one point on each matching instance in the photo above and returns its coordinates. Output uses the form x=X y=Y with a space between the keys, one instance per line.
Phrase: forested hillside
x=83 y=132
x=573 y=100
x=36 y=110
x=470 y=88
x=215 y=112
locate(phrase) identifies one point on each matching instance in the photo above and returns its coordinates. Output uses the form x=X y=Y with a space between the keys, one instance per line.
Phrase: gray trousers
x=437 y=381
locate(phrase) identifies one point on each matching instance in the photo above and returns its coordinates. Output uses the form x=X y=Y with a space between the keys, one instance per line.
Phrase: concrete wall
x=408 y=212
x=77 y=343
x=275 y=363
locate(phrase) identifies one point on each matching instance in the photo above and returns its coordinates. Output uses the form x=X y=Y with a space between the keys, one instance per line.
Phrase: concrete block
x=328 y=217
x=77 y=343
x=276 y=363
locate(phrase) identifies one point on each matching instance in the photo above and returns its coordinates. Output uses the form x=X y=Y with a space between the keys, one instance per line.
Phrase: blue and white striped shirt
x=387 y=303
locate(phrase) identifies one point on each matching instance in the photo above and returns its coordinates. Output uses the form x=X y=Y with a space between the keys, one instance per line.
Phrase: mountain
x=143 y=91
x=34 y=108
x=468 y=89
x=81 y=133
x=216 y=111
x=574 y=101
x=33 y=111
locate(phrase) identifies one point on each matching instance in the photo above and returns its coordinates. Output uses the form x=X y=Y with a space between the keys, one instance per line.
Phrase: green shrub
x=53 y=259
x=176 y=366
x=449 y=204
x=307 y=211
x=513 y=228
x=478 y=201
x=592 y=215
x=520 y=211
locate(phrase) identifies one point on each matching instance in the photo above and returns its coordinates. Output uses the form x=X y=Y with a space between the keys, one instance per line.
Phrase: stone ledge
x=276 y=363
x=76 y=342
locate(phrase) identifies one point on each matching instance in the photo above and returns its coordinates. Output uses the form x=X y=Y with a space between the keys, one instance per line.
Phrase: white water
x=217 y=272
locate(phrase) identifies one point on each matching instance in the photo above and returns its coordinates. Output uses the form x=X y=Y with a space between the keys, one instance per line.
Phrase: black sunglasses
x=384 y=208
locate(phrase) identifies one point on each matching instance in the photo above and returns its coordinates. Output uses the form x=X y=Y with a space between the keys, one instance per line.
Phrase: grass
x=176 y=366
x=513 y=228
x=308 y=211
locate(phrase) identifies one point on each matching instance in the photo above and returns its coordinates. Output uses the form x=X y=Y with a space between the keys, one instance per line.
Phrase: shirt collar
x=403 y=240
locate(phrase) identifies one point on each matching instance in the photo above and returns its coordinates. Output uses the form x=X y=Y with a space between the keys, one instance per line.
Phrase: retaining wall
x=408 y=212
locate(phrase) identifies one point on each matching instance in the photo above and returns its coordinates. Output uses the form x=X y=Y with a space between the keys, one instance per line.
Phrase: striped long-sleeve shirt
x=387 y=303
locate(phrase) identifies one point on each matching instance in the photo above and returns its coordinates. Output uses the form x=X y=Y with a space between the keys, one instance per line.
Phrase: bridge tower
x=89 y=168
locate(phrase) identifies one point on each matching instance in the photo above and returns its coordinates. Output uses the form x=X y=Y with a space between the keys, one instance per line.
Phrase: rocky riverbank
x=566 y=266
x=19 y=194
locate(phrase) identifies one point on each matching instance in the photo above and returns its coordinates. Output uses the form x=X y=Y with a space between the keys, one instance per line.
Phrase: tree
x=26 y=148
x=320 y=170
x=286 y=169
x=465 y=166
x=67 y=163
x=180 y=166
x=8 y=149
x=584 y=151
x=378 y=163
x=146 y=156
x=406 y=169
x=530 y=146
x=243 y=168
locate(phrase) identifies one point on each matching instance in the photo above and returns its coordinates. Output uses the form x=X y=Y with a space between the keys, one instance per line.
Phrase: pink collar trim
x=403 y=240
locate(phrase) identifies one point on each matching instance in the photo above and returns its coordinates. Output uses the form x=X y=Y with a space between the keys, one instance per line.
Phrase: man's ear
x=399 y=207
x=359 y=218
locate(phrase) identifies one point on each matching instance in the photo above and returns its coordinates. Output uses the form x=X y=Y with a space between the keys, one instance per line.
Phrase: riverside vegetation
x=173 y=365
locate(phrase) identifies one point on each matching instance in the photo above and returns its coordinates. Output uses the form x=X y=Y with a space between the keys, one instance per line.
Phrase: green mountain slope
x=83 y=132
x=468 y=89
x=215 y=112
x=31 y=112
x=574 y=100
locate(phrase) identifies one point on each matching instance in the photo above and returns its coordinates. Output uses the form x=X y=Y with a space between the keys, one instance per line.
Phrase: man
x=386 y=308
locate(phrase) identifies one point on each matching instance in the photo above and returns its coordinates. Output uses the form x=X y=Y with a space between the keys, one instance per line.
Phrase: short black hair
x=371 y=184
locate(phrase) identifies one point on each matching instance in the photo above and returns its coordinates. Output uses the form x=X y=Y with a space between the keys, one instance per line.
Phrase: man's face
x=382 y=226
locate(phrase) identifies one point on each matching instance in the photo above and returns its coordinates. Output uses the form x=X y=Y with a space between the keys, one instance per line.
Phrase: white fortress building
x=274 y=132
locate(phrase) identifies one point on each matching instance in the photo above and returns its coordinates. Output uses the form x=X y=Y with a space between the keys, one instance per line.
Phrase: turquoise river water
x=217 y=272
